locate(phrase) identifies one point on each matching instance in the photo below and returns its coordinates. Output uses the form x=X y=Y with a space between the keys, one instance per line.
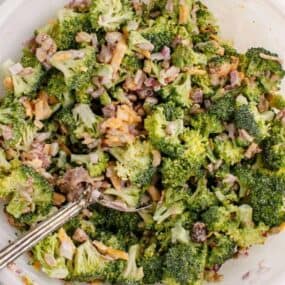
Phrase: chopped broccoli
x=137 y=42
x=89 y=265
x=207 y=124
x=265 y=67
x=152 y=268
x=221 y=248
x=184 y=56
x=202 y=198
x=178 y=92
x=130 y=195
x=223 y=108
x=132 y=272
x=176 y=172
x=228 y=151
x=46 y=252
x=110 y=15
x=163 y=134
x=184 y=264
x=205 y=20
x=29 y=195
x=76 y=66
x=160 y=32
x=204 y=83
x=56 y=87
x=68 y=24
x=247 y=117
x=134 y=163
x=274 y=147
x=96 y=162
x=26 y=79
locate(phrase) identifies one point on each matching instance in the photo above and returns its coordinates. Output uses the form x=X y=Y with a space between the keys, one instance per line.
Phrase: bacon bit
x=115 y=179
x=118 y=55
x=252 y=150
x=113 y=253
x=199 y=232
x=80 y=236
x=230 y=179
x=8 y=83
x=7 y=132
x=270 y=57
x=154 y=193
x=197 y=96
x=42 y=109
x=184 y=14
x=67 y=248
x=244 y=135
x=58 y=199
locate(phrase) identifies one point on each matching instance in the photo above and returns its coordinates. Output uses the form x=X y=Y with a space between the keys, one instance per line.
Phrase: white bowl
x=246 y=23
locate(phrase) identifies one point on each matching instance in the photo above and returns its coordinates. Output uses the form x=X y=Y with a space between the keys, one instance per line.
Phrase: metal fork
x=11 y=252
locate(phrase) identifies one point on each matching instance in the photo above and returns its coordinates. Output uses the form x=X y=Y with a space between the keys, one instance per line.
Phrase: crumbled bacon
x=80 y=235
x=252 y=150
x=74 y=182
x=80 y=5
x=199 y=232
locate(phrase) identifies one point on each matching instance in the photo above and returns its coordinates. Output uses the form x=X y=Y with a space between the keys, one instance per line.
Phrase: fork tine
x=14 y=250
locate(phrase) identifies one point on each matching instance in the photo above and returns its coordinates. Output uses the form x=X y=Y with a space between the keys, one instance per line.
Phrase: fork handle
x=33 y=236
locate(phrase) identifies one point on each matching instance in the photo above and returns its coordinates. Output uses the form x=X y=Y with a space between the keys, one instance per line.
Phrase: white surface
x=245 y=22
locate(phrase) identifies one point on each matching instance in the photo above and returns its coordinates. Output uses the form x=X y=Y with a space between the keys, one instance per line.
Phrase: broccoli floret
x=110 y=15
x=86 y=121
x=56 y=87
x=76 y=66
x=107 y=219
x=26 y=79
x=69 y=23
x=176 y=172
x=221 y=248
x=223 y=108
x=184 y=264
x=266 y=197
x=152 y=268
x=210 y=48
x=132 y=272
x=171 y=111
x=178 y=92
x=89 y=264
x=163 y=134
x=183 y=56
x=205 y=20
x=220 y=219
x=274 y=147
x=174 y=204
x=11 y=111
x=130 y=64
x=130 y=195
x=46 y=252
x=29 y=195
x=204 y=83
x=4 y=164
x=137 y=41
x=160 y=32
x=95 y=162
x=134 y=163
x=277 y=101
x=180 y=234
x=202 y=198
x=247 y=117
x=207 y=124
x=265 y=67
x=228 y=151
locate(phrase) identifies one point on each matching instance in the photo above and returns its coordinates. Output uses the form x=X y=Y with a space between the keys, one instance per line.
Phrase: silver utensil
x=55 y=221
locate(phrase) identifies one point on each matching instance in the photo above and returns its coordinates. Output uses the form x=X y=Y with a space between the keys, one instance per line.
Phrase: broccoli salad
x=143 y=101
